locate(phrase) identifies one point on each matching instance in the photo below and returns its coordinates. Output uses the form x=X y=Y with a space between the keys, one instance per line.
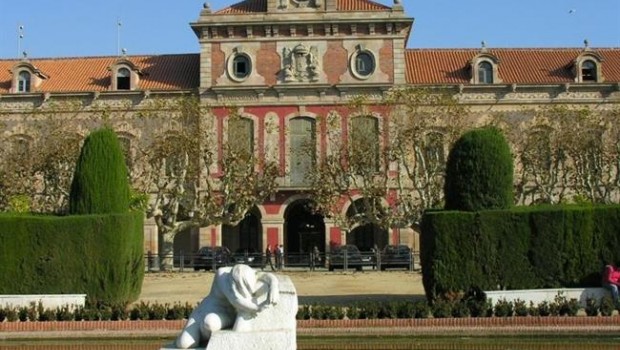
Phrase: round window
x=241 y=67
x=364 y=64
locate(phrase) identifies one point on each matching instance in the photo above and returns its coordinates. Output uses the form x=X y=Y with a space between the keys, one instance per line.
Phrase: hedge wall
x=97 y=255
x=522 y=248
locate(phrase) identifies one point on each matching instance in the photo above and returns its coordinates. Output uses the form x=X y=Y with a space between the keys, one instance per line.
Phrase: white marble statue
x=237 y=295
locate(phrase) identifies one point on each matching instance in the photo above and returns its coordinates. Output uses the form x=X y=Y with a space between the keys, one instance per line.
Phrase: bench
x=537 y=296
x=48 y=301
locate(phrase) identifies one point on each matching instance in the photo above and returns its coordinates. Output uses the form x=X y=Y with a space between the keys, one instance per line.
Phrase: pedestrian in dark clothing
x=268 y=258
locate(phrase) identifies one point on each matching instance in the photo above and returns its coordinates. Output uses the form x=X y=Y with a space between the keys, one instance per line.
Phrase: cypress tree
x=100 y=183
x=479 y=173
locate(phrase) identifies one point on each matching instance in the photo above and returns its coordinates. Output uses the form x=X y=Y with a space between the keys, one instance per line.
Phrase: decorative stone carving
x=254 y=310
x=301 y=64
x=302 y=3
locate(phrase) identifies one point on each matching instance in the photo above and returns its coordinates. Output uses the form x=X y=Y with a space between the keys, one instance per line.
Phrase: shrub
x=479 y=172
x=421 y=309
x=460 y=309
x=442 y=308
x=520 y=308
x=591 y=307
x=100 y=184
x=543 y=308
x=389 y=310
x=303 y=313
x=503 y=308
x=3 y=313
x=606 y=306
x=175 y=312
x=533 y=310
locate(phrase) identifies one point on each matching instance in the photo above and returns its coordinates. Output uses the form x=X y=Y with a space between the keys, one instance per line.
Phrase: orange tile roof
x=361 y=5
x=162 y=72
x=518 y=66
x=260 y=6
x=244 y=8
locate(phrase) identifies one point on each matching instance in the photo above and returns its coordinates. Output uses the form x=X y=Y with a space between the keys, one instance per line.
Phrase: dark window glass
x=588 y=71
x=485 y=73
x=23 y=82
x=241 y=136
x=302 y=149
x=123 y=79
x=364 y=64
x=241 y=66
x=364 y=144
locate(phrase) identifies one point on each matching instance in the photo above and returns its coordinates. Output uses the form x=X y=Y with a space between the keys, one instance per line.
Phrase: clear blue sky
x=61 y=28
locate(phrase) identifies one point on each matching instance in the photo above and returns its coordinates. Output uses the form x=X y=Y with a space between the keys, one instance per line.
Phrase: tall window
x=302 y=149
x=485 y=73
x=123 y=79
x=241 y=136
x=433 y=151
x=23 y=81
x=364 y=144
x=588 y=71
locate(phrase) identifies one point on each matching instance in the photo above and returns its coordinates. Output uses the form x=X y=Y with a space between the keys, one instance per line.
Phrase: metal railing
x=184 y=262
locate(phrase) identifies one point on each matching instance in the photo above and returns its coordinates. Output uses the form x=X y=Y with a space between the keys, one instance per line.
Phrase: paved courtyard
x=319 y=286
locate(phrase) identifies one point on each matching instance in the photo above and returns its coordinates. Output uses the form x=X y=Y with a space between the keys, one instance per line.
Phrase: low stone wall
x=49 y=301
x=609 y=325
x=537 y=296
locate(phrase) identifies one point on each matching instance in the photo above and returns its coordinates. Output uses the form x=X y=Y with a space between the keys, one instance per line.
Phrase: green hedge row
x=521 y=248
x=97 y=255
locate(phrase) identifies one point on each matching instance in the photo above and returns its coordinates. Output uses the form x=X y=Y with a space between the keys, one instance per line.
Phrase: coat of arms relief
x=301 y=3
x=301 y=64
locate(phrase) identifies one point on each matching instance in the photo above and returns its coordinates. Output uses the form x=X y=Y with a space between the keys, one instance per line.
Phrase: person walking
x=268 y=258
x=280 y=257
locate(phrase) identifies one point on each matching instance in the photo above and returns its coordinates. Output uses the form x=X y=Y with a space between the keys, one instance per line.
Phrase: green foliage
x=521 y=248
x=100 y=183
x=98 y=255
x=479 y=172
x=19 y=204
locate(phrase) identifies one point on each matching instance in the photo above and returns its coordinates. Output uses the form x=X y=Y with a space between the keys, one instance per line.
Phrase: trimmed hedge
x=98 y=255
x=100 y=182
x=479 y=172
x=523 y=248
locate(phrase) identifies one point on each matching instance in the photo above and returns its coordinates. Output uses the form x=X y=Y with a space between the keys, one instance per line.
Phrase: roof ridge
x=61 y=58
x=512 y=49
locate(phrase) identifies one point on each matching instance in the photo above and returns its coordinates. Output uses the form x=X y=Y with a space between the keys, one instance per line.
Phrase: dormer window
x=123 y=79
x=23 y=81
x=484 y=68
x=587 y=67
x=125 y=75
x=588 y=71
x=485 y=73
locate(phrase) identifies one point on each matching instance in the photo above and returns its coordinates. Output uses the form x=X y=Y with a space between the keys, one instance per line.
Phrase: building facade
x=284 y=66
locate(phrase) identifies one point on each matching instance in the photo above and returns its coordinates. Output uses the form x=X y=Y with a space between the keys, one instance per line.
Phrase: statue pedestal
x=254 y=340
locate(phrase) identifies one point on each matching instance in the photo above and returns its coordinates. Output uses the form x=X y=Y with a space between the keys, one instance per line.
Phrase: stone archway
x=303 y=229
x=368 y=235
x=246 y=236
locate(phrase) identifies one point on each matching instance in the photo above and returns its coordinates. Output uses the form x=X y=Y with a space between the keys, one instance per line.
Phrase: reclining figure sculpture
x=245 y=301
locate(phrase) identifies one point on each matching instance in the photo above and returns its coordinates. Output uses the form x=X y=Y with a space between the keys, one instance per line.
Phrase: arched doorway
x=247 y=236
x=367 y=235
x=303 y=229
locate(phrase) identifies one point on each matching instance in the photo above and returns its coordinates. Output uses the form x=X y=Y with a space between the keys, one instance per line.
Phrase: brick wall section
x=218 y=63
x=268 y=62
x=509 y=325
x=335 y=61
x=386 y=59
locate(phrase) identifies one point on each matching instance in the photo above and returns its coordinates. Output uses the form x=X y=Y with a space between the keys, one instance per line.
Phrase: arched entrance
x=367 y=235
x=303 y=229
x=247 y=236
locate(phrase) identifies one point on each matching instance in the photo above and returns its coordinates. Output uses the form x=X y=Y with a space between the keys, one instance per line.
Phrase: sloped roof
x=162 y=72
x=518 y=66
x=260 y=6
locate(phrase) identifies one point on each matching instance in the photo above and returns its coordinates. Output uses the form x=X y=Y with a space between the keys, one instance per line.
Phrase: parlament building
x=308 y=73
